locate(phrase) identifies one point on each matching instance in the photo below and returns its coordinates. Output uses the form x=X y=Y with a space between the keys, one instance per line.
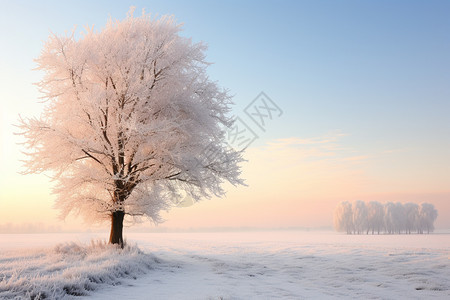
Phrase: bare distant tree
x=375 y=213
x=391 y=217
x=427 y=216
x=359 y=216
x=399 y=217
x=129 y=113
x=343 y=217
x=412 y=216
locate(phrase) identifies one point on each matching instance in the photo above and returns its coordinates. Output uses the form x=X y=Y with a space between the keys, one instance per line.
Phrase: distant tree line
x=392 y=218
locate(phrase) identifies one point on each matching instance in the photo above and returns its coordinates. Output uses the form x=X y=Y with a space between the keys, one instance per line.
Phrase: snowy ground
x=247 y=265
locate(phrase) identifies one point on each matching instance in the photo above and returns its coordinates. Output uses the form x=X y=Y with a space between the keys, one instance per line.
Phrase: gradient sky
x=364 y=88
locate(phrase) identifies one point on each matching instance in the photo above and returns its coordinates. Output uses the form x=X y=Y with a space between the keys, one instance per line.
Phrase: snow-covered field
x=244 y=265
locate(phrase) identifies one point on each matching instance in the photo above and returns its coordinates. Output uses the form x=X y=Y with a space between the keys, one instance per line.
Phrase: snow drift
x=69 y=269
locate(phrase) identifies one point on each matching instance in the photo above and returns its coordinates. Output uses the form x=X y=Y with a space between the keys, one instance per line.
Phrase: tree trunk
x=117 y=228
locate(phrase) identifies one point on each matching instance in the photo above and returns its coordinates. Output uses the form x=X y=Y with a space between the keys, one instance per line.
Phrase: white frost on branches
x=359 y=217
x=129 y=111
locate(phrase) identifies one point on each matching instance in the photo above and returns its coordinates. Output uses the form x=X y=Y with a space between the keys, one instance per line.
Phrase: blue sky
x=374 y=73
x=374 y=70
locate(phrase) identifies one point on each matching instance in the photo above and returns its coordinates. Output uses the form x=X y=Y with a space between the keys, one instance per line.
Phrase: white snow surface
x=239 y=265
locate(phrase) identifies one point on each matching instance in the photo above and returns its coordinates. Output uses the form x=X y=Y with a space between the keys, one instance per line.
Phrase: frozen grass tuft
x=69 y=269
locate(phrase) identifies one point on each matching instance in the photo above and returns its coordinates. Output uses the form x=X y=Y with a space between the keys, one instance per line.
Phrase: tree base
x=116 y=235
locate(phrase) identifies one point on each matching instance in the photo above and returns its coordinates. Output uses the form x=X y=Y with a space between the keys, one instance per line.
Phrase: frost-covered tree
x=375 y=215
x=412 y=216
x=130 y=113
x=427 y=216
x=391 y=217
x=343 y=217
x=359 y=216
x=399 y=217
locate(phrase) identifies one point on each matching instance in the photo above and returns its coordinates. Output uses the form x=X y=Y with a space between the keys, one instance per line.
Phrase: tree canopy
x=129 y=111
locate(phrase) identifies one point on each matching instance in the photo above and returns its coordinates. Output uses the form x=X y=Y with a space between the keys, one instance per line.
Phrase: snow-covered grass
x=246 y=265
x=68 y=269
